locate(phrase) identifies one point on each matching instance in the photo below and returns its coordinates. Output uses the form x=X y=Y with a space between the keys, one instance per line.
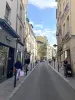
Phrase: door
x=3 y=61
x=10 y=63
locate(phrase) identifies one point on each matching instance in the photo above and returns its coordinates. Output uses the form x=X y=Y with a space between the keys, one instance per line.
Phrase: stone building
x=12 y=16
x=66 y=31
x=31 y=44
x=51 y=52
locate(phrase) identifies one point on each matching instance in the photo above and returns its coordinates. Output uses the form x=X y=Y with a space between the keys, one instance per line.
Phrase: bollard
x=54 y=64
x=15 y=72
x=58 y=67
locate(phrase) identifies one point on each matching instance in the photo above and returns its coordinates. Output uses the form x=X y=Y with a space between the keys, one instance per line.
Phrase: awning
x=8 y=28
x=19 y=41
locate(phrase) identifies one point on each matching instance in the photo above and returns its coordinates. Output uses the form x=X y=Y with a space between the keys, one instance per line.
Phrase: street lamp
x=55 y=45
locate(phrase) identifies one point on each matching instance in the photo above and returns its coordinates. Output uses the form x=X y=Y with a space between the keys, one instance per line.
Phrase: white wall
x=2 y=8
x=49 y=52
x=13 y=6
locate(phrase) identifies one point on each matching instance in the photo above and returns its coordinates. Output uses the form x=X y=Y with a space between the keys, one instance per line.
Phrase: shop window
x=3 y=60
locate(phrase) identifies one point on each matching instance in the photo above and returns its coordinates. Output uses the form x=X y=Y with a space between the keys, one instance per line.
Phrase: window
x=64 y=29
x=67 y=1
x=67 y=24
x=20 y=30
x=20 y=12
x=63 y=6
x=7 y=12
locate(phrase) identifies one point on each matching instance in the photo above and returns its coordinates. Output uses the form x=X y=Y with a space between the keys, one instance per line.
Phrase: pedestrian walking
x=27 y=61
x=65 y=67
x=18 y=67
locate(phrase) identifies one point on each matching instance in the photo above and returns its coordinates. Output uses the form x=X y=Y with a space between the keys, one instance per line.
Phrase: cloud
x=40 y=30
x=50 y=34
x=38 y=26
x=42 y=4
x=31 y=22
x=37 y=32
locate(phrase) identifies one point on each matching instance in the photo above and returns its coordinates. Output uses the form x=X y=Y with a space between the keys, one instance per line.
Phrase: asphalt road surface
x=44 y=84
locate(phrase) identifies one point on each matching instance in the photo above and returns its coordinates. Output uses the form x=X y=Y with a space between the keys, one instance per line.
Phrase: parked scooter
x=67 y=70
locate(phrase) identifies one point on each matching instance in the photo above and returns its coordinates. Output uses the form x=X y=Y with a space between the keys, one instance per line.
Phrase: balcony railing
x=65 y=12
x=66 y=37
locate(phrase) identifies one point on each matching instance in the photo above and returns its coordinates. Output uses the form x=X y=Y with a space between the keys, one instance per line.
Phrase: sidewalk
x=69 y=80
x=7 y=86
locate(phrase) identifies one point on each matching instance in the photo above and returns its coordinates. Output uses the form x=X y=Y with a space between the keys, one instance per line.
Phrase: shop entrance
x=10 y=63
x=3 y=61
x=67 y=56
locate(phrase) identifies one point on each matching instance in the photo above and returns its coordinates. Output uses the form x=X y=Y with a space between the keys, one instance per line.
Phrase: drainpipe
x=16 y=15
x=16 y=32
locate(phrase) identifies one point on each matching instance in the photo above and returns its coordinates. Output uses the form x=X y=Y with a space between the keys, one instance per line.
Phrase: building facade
x=31 y=44
x=12 y=15
x=20 y=28
x=51 y=52
x=66 y=31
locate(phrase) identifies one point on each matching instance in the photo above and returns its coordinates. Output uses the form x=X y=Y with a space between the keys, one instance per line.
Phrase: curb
x=17 y=88
x=66 y=80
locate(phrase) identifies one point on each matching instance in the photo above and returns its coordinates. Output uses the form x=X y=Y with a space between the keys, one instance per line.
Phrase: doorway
x=10 y=62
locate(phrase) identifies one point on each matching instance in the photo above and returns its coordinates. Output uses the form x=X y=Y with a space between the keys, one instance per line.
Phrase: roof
x=8 y=28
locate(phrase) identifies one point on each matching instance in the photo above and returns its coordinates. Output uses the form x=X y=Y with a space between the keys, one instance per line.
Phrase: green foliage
x=42 y=50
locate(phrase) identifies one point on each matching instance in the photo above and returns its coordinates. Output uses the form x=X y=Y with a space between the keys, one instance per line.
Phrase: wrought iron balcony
x=66 y=37
x=60 y=49
x=65 y=12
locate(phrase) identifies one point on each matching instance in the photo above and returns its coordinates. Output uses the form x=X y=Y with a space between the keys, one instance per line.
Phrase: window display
x=3 y=60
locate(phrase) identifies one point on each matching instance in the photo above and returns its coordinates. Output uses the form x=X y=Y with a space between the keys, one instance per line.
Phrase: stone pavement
x=70 y=80
x=7 y=87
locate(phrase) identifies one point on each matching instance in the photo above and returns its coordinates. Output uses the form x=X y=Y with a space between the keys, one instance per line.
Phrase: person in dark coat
x=65 y=62
x=27 y=61
x=18 y=67
x=65 y=67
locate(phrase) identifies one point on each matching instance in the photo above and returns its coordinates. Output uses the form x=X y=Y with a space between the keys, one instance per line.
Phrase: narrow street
x=44 y=84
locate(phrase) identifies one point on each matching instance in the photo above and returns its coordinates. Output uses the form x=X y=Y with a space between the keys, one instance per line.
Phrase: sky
x=42 y=15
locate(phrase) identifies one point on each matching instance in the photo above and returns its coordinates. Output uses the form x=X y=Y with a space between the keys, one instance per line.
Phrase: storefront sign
x=8 y=39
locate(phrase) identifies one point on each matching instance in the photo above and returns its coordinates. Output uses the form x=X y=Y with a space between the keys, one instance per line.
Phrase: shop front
x=20 y=51
x=3 y=60
x=8 y=39
x=67 y=52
